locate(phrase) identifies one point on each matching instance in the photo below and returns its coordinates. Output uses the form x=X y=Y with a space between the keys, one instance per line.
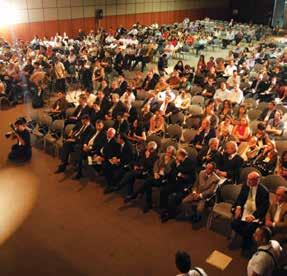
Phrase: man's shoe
x=60 y=169
x=129 y=198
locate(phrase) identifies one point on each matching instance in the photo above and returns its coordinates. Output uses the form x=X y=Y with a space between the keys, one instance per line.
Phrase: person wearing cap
x=22 y=150
x=79 y=136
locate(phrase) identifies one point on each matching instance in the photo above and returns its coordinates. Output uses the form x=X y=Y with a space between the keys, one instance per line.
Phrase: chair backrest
x=198 y=100
x=192 y=152
x=34 y=115
x=137 y=104
x=229 y=193
x=69 y=128
x=58 y=125
x=70 y=111
x=154 y=138
x=272 y=182
x=142 y=95
x=195 y=110
x=253 y=114
x=281 y=146
x=253 y=126
x=166 y=143
x=261 y=106
x=193 y=122
x=188 y=135
x=174 y=132
x=108 y=124
x=250 y=103
x=177 y=118
x=46 y=120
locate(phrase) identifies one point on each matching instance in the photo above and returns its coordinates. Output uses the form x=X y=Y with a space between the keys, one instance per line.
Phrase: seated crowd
x=226 y=113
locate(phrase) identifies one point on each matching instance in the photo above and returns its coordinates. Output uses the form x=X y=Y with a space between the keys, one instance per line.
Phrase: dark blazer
x=86 y=135
x=79 y=111
x=186 y=169
x=262 y=86
x=261 y=201
x=119 y=109
x=126 y=154
x=264 y=113
x=99 y=142
x=146 y=163
x=214 y=156
x=123 y=87
x=203 y=139
x=231 y=166
x=121 y=127
x=111 y=149
x=133 y=114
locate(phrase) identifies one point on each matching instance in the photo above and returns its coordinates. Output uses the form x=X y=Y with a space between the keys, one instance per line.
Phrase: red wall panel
x=71 y=26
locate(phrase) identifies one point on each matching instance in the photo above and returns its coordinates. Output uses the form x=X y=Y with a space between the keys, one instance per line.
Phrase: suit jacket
x=122 y=127
x=126 y=154
x=120 y=108
x=123 y=87
x=185 y=169
x=85 y=135
x=206 y=185
x=214 y=156
x=79 y=111
x=231 y=166
x=264 y=113
x=111 y=149
x=281 y=226
x=160 y=164
x=261 y=201
x=262 y=86
x=98 y=143
x=203 y=139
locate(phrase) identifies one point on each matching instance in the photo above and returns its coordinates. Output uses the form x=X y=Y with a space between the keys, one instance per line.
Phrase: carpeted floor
x=74 y=229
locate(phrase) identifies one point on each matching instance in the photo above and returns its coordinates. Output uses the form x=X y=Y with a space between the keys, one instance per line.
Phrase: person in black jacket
x=100 y=107
x=231 y=163
x=210 y=153
x=250 y=208
x=116 y=108
x=268 y=113
x=121 y=124
x=117 y=167
x=93 y=146
x=118 y=62
x=180 y=179
x=79 y=136
x=142 y=168
x=22 y=150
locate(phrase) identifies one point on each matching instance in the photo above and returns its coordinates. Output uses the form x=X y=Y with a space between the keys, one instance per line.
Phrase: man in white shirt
x=221 y=94
x=250 y=209
x=184 y=265
x=235 y=96
x=230 y=68
x=267 y=256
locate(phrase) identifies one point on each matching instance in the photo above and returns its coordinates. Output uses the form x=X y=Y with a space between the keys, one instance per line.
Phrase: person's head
x=115 y=98
x=111 y=133
x=83 y=99
x=284 y=157
x=262 y=235
x=205 y=123
x=60 y=94
x=226 y=104
x=271 y=105
x=20 y=124
x=213 y=144
x=183 y=261
x=181 y=154
x=244 y=121
x=231 y=147
x=260 y=130
x=151 y=146
x=85 y=119
x=278 y=115
x=104 y=83
x=210 y=167
x=114 y=85
x=170 y=151
x=253 y=179
x=260 y=77
x=252 y=141
x=242 y=110
x=281 y=194
x=223 y=85
x=99 y=125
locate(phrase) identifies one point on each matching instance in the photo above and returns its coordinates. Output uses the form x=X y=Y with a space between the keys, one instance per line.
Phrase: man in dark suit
x=118 y=62
x=210 y=153
x=100 y=107
x=258 y=86
x=117 y=167
x=117 y=108
x=268 y=113
x=121 y=124
x=123 y=85
x=77 y=138
x=108 y=153
x=82 y=109
x=93 y=146
x=250 y=208
x=231 y=163
x=182 y=177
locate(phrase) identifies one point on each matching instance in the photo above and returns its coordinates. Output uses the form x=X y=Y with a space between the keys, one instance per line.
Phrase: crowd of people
x=226 y=113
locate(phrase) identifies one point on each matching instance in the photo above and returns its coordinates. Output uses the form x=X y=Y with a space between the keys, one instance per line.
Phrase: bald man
x=250 y=209
x=276 y=217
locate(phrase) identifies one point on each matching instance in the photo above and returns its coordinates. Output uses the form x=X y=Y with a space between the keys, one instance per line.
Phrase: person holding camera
x=22 y=150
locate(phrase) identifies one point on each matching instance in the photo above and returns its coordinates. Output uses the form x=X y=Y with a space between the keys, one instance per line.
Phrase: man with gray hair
x=210 y=153
x=250 y=208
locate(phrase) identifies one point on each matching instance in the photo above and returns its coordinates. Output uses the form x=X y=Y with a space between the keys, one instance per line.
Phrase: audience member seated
x=268 y=113
x=275 y=126
x=249 y=209
x=276 y=217
x=209 y=154
x=241 y=132
x=204 y=189
x=157 y=124
x=282 y=165
x=59 y=107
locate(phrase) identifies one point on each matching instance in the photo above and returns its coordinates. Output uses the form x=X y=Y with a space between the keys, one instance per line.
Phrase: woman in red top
x=241 y=132
x=201 y=63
